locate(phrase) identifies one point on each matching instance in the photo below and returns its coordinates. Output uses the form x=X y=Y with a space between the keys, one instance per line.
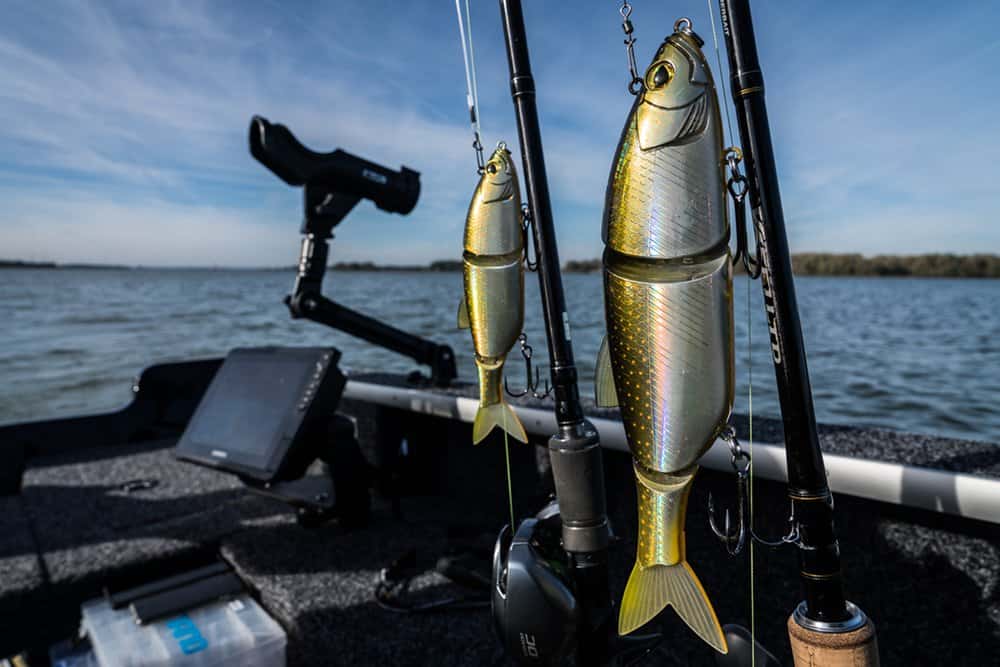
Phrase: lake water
x=919 y=355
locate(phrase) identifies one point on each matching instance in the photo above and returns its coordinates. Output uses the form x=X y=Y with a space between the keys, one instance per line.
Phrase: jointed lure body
x=668 y=358
x=493 y=304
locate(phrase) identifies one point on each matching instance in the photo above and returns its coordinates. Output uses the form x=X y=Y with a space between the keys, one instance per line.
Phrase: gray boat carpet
x=20 y=568
x=95 y=516
x=908 y=569
x=320 y=585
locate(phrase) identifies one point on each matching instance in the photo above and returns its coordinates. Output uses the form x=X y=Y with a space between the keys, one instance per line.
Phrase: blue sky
x=124 y=125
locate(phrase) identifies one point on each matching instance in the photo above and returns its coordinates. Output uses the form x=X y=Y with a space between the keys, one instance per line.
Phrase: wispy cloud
x=125 y=124
x=82 y=227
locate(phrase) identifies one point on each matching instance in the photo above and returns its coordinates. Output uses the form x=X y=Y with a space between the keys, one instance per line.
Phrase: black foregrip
x=578 y=473
x=275 y=147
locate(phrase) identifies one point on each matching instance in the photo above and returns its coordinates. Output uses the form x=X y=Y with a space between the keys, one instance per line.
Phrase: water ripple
x=911 y=354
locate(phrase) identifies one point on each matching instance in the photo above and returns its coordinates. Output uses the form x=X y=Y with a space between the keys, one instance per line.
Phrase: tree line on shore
x=437 y=265
x=940 y=265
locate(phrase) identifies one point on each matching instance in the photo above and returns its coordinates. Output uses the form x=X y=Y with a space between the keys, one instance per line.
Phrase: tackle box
x=234 y=631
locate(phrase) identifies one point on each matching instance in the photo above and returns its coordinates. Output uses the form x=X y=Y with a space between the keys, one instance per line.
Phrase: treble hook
x=531 y=383
x=736 y=541
x=525 y=226
x=740 y=460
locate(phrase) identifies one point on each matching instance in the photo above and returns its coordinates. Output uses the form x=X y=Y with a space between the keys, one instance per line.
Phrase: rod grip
x=857 y=648
x=578 y=473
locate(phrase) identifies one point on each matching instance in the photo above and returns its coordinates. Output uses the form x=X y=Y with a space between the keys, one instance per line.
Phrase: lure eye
x=661 y=76
x=491 y=168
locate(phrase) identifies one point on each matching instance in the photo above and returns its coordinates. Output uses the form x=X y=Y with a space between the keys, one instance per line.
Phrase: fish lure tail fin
x=463 y=314
x=497 y=415
x=650 y=589
x=604 y=381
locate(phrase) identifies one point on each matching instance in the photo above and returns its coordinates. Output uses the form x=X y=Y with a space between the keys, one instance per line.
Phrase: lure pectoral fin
x=463 y=314
x=653 y=588
x=604 y=382
x=498 y=415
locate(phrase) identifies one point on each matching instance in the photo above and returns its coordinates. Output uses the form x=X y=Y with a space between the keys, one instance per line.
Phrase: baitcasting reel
x=534 y=607
x=537 y=616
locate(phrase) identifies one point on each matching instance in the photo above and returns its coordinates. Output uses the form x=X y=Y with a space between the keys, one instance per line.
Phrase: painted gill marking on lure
x=493 y=275
x=668 y=360
x=663 y=166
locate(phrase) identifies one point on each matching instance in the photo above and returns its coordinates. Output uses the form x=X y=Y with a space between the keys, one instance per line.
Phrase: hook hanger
x=735 y=538
x=531 y=383
x=526 y=223
x=738 y=188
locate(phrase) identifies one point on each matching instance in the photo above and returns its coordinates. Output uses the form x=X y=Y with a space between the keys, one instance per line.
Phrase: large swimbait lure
x=668 y=357
x=493 y=304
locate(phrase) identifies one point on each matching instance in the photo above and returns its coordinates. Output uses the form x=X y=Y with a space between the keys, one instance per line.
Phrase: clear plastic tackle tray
x=225 y=632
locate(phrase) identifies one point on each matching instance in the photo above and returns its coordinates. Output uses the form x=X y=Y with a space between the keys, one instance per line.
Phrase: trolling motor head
x=534 y=607
x=334 y=182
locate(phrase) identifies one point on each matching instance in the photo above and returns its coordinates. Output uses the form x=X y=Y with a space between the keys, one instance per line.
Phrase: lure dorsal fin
x=604 y=381
x=463 y=314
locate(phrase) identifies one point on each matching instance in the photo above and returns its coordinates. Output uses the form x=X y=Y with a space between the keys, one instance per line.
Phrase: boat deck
x=929 y=580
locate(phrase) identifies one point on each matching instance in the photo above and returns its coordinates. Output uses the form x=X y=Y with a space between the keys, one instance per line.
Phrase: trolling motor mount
x=333 y=184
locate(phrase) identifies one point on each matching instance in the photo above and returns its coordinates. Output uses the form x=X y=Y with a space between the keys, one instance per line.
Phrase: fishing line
x=753 y=616
x=753 y=607
x=718 y=59
x=506 y=456
x=471 y=85
x=472 y=98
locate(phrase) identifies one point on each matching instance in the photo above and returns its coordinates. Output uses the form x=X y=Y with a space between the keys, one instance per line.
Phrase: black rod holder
x=809 y=494
x=577 y=466
x=333 y=183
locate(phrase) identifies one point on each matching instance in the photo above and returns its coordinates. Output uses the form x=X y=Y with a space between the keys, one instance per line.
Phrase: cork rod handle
x=858 y=648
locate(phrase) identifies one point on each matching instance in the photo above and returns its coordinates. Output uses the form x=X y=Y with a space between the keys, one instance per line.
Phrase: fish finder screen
x=252 y=412
x=254 y=397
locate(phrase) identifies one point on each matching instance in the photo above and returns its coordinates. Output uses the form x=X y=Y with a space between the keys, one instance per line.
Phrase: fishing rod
x=538 y=613
x=825 y=628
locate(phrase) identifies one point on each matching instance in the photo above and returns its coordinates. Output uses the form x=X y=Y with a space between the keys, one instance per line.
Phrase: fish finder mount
x=333 y=184
x=270 y=417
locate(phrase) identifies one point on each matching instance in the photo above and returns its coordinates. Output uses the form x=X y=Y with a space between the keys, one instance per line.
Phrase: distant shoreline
x=879 y=266
x=804 y=264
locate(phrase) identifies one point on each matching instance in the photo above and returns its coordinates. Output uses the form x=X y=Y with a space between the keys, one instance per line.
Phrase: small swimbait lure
x=493 y=304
